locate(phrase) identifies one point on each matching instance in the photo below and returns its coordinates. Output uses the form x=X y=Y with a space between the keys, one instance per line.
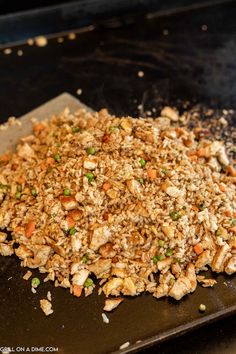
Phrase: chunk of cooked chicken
x=41 y=254
x=217 y=149
x=100 y=267
x=206 y=283
x=46 y=306
x=217 y=263
x=25 y=151
x=80 y=277
x=169 y=231
x=113 y=286
x=170 y=113
x=230 y=267
x=191 y=275
x=6 y=249
x=23 y=252
x=129 y=287
x=185 y=284
x=69 y=202
x=232 y=242
x=164 y=286
x=90 y=164
x=204 y=259
x=107 y=251
x=75 y=243
x=134 y=187
x=164 y=264
x=111 y=304
x=3 y=236
x=173 y=192
x=100 y=236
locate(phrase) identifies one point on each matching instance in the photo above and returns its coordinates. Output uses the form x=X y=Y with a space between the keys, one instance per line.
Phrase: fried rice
x=142 y=205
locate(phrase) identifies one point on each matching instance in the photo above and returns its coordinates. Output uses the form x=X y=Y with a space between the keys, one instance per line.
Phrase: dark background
x=66 y=15
x=12 y=6
x=7 y=7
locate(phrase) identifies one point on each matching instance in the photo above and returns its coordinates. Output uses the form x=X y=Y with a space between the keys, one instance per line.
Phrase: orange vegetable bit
x=106 y=186
x=152 y=174
x=203 y=152
x=198 y=249
x=75 y=214
x=228 y=213
x=192 y=155
x=180 y=132
x=188 y=142
x=77 y=290
x=222 y=187
x=195 y=208
x=105 y=215
x=21 y=179
x=29 y=229
x=4 y=158
x=67 y=199
x=38 y=128
x=70 y=222
x=194 y=158
x=106 y=138
x=50 y=161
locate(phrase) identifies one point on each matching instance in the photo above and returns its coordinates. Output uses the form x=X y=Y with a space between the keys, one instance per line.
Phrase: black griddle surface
x=187 y=64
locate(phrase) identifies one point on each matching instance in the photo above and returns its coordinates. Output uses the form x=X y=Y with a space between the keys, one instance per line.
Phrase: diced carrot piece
x=70 y=222
x=67 y=199
x=165 y=185
x=5 y=158
x=75 y=214
x=233 y=229
x=21 y=179
x=222 y=187
x=106 y=138
x=179 y=131
x=14 y=166
x=231 y=171
x=193 y=158
x=195 y=208
x=29 y=229
x=234 y=215
x=192 y=153
x=152 y=173
x=146 y=157
x=38 y=128
x=105 y=216
x=106 y=186
x=50 y=161
x=188 y=142
x=77 y=290
x=228 y=213
x=68 y=202
x=203 y=152
x=198 y=249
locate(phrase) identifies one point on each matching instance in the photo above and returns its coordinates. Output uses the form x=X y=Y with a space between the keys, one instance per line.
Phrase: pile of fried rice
x=139 y=204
